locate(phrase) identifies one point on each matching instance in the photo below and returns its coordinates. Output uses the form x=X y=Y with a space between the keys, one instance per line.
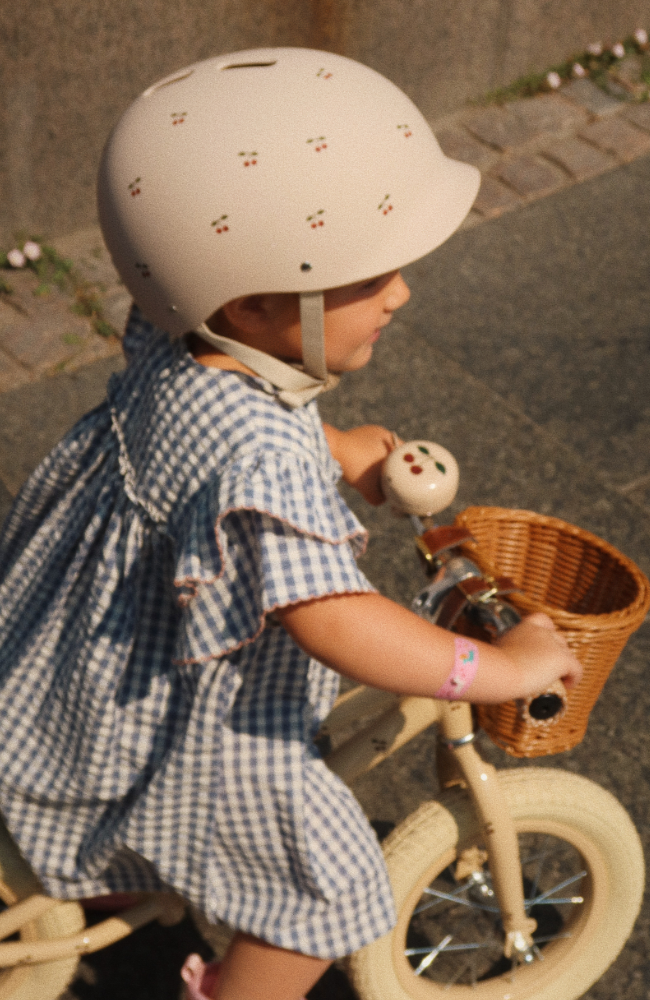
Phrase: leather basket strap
x=438 y=540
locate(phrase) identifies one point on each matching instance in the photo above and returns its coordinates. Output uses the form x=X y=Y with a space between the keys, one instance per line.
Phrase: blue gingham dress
x=157 y=723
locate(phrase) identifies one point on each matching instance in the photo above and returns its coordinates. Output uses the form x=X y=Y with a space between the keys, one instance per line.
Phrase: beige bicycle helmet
x=272 y=170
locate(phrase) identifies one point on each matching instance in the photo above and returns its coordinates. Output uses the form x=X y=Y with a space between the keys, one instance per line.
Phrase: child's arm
x=361 y=453
x=375 y=641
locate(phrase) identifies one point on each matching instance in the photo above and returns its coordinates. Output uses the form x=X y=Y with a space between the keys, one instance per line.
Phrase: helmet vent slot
x=167 y=83
x=252 y=65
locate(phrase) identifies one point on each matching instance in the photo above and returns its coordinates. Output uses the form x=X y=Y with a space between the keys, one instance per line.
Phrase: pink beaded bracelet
x=463 y=671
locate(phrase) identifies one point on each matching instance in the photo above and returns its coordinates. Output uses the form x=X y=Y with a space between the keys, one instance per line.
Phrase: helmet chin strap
x=312 y=332
x=298 y=384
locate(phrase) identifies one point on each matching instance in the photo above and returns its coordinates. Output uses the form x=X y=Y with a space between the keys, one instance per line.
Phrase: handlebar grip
x=546 y=707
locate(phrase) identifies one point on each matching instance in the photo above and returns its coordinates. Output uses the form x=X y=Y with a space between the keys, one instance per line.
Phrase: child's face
x=354 y=317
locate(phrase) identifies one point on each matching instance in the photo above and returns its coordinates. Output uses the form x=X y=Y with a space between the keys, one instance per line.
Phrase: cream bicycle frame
x=396 y=720
x=458 y=762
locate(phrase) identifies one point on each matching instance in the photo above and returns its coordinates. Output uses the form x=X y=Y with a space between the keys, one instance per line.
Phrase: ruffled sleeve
x=269 y=533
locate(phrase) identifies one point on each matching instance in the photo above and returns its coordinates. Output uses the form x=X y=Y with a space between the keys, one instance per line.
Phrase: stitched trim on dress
x=128 y=474
x=193 y=582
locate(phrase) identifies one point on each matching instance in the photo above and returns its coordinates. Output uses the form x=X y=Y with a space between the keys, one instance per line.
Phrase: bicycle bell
x=419 y=477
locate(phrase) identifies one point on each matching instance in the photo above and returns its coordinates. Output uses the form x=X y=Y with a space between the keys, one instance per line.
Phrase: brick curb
x=525 y=150
x=538 y=145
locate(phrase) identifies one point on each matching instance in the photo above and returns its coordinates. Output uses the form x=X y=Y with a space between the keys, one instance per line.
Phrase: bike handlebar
x=420 y=478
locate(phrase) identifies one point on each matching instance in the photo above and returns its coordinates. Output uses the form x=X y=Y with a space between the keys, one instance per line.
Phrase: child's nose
x=398 y=293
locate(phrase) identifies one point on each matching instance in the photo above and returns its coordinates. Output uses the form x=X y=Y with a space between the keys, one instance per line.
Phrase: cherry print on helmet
x=219 y=224
x=134 y=187
x=385 y=206
x=407 y=133
x=144 y=270
x=314 y=219
x=420 y=478
x=267 y=109
x=178 y=117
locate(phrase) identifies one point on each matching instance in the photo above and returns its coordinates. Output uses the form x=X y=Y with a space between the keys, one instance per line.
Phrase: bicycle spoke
x=563 y=901
x=457 y=938
x=472 y=946
x=457 y=899
x=433 y=954
x=541 y=858
x=439 y=899
x=562 y=885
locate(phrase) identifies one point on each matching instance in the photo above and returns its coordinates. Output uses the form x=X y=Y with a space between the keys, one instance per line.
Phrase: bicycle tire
x=47 y=980
x=565 y=809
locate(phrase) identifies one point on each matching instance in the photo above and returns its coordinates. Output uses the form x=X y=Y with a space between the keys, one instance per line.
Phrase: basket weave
x=594 y=594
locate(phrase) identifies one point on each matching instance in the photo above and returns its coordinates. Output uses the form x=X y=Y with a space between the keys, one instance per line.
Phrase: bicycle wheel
x=583 y=873
x=47 y=980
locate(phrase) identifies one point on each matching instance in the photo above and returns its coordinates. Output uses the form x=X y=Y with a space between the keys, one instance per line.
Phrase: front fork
x=460 y=761
x=398 y=721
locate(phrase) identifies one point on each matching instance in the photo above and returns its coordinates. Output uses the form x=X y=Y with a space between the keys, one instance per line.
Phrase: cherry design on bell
x=321 y=143
x=419 y=477
x=323 y=74
x=416 y=469
x=134 y=187
x=144 y=270
x=314 y=220
x=219 y=224
x=406 y=131
x=178 y=117
x=250 y=159
x=384 y=205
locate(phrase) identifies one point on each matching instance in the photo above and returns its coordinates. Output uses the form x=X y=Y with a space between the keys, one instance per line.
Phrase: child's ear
x=250 y=314
x=259 y=314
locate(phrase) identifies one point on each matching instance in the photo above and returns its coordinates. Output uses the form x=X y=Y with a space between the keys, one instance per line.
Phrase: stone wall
x=69 y=67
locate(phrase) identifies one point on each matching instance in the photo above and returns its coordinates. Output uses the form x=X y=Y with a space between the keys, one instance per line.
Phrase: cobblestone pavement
x=530 y=148
x=525 y=149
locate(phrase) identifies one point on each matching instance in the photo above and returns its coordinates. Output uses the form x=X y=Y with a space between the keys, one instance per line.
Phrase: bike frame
x=458 y=763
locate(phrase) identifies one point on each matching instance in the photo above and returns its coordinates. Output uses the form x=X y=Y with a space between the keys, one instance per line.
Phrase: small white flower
x=618 y=50
x=578 y=70
x=641 y=36
x=554 y=80
x=16 y=258
x=595 y=49
x=32 y=250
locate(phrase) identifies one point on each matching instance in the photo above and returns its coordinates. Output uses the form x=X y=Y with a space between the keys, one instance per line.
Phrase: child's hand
x=540 y=649
x=361 y=453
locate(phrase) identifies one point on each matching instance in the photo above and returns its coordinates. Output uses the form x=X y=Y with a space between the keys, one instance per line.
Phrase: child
x=179 y=589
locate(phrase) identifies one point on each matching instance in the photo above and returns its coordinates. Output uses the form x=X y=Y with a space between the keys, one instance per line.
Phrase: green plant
x=87 y=303
x=599 y=66
x=52 y=269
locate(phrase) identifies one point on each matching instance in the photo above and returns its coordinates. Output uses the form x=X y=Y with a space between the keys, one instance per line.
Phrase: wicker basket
x=595 y=595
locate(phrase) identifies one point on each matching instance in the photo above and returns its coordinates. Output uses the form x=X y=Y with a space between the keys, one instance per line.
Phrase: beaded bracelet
x=463 y=670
